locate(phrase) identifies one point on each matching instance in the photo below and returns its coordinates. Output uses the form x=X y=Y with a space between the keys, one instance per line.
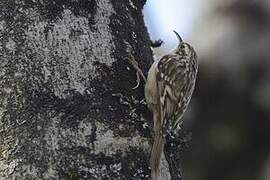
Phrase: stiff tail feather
x=156 y=154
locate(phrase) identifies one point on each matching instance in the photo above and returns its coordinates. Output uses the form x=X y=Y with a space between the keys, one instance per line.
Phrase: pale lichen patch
x=8 y=169
x=109 y=144
x=11 y=45
x=79 y=137
x=132 y=5
x=70 y=46
x=50 y=173
x=27 y=170
x=2 y=25
x=106 y=142
x=52 y=136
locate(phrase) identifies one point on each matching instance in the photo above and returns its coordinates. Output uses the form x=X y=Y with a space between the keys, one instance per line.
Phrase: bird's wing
x=172 y=85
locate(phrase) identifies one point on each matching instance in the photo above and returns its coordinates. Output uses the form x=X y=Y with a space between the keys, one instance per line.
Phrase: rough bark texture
x=67 y=108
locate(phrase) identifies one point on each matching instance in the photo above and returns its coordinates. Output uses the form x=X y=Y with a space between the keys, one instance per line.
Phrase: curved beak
x=179 y=37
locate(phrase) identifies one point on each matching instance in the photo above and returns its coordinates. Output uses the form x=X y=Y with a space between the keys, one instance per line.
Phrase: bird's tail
x=156 y=153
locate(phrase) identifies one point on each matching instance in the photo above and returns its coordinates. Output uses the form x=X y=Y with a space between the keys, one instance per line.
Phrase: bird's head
x=183 y=48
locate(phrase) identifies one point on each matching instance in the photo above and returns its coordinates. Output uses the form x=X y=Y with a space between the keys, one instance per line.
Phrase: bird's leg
x=139 y=73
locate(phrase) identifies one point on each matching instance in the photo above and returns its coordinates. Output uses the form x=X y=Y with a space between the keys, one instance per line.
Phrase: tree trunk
x=67 y=109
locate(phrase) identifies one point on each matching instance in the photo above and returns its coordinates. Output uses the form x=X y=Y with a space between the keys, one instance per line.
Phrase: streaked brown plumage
x=168 y=90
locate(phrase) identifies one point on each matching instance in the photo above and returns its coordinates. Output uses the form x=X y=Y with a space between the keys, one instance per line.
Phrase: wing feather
x=172 y=79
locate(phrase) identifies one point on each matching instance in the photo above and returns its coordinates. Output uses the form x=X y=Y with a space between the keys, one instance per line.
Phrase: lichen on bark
x=67 y=108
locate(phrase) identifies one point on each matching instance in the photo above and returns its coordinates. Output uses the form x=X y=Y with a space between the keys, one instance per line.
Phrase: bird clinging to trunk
x=168 y=90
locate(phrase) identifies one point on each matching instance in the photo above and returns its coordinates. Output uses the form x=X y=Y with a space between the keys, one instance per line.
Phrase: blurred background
x=229 y=115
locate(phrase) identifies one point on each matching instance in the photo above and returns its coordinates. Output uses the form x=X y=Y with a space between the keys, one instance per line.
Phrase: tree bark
x=67 y=108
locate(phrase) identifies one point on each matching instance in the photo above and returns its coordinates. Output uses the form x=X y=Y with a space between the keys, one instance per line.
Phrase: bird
x=168 y=89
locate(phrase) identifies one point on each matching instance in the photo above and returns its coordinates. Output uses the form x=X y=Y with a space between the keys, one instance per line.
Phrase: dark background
x=229 y=115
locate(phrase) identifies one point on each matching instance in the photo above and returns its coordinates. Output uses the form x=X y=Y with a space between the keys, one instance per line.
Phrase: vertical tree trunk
x=67 y=108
